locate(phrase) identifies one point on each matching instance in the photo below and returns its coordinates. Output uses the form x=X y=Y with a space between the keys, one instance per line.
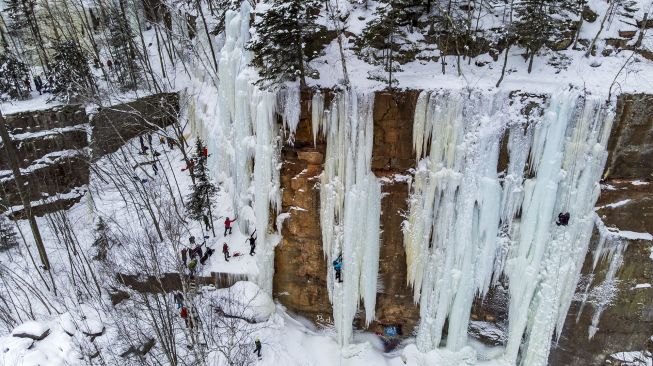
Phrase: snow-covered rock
x=89 y=321
x=244 y=300
x=32 y=330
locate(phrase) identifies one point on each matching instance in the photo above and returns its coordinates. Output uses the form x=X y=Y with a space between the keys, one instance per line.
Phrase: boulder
x=32 y=330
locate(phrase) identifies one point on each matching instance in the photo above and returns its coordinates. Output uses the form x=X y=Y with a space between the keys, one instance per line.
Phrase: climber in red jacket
x=227 y=225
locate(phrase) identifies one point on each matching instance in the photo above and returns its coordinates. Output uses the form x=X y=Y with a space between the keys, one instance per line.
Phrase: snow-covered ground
x=622 y=71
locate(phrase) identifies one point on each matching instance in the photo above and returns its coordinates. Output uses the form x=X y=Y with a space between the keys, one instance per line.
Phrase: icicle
x=454 y=245
x=547 y=262
x=317 y=114
x=264 y=192
x=238 y=122
x=290 y=103
x=454 y=211
x=419 y=138
x=350 y=199
x=603 y=294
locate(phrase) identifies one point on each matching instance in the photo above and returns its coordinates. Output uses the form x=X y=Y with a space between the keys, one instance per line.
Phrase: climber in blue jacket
x=337 y=265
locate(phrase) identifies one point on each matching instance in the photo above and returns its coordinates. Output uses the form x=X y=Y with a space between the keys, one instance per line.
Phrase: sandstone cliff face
x=631 y=141
x=627 y=323
x=392 y=157
x=300 y=269
x=113 y=126
x=51 y=151
x=299 y=264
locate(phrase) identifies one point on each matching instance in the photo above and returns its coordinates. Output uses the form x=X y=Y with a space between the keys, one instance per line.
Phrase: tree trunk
x=505 y=63
x=642 y=31
x=208 y=199
x=530 y=61
x=208 y=35
x=605 y=17
x=12 y=155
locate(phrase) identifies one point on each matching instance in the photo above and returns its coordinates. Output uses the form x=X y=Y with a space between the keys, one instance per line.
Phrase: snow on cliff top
x=623 y=70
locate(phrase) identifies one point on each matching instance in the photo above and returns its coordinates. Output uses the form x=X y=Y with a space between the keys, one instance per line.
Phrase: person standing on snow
x=337 y=266
x=38 y=83
x=257 y=350
x=179 y=300
x=184 y=315
x=225 y=251
x=252 y=244
x=192 y=266
x=227 y=225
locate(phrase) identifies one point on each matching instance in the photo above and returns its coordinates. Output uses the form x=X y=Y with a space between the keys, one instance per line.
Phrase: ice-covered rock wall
x=350 y=205
x=238 y=122
x=465 y=230
x=469 y=226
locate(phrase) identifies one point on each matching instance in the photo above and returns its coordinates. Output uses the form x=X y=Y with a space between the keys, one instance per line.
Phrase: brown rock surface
x=300 y=268
x=627 y=324
x=631 y=140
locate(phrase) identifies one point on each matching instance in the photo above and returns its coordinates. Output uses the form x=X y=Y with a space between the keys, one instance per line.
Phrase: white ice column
x=350 y=201
x=454 y=217
x=569 y=155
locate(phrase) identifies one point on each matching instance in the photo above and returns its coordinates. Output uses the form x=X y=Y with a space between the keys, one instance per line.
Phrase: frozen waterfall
x=238 y=122
x=350 y=205
x=468 y=225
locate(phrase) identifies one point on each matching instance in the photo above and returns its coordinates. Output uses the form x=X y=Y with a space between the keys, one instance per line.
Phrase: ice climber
x=337 y=266
x=38 y=83
x=225 y=251
x=252 y=243
x=563 y=219
x=206 y=222
x=257 y=350
x=209 y=252
x=197 y=251
x=179 y=300
x=184 y=315
x=227 y=225
x=192 y=265
x=184 y=258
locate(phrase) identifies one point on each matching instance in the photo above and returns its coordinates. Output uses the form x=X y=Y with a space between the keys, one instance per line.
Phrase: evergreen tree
x=541 y=22
x=18 y=13
x=23 y=26
x=280 y=43
x=8 y=237
x=383 y=40
x=120 y=39
x=103 y=240
x=199 y=201
x=70 y=75
x=13 y=73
